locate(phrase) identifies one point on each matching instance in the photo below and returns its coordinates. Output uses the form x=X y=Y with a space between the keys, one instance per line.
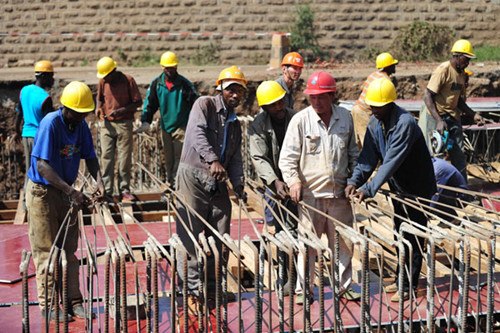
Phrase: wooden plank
x=21 y=214
x=156 y=216
x=9 y=204
x=148 y=196
x=128 y=213
x=249 y=262
x=8 y=214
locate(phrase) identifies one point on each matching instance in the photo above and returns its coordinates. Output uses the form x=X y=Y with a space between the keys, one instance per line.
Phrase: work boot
x=192 y=305
x=79 y=312
x=230 y=297
x=392 y=288
x=350 y=295
x=52 y=316
x=404 y=294
x=128 y=197
x=300 y=299
x=286 y=288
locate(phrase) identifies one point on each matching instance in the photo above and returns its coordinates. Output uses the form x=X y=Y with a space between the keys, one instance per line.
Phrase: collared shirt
x=320 y=158
x=401 y=149
x=213 y=133
x=118 y=93
x=360 y=102
x=448 y=85
x=288 y=99
x=264 y=146
x=174 y=103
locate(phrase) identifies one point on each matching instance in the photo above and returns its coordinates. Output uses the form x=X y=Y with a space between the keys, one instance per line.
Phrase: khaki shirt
x=448 y=85
x=320 y=158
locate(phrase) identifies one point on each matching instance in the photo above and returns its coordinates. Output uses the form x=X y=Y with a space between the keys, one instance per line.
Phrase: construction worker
x=267 y=132
x=118 y=98
x=386 y=67
x=446 y=174
x=444 y=103
x=394 y=140
x=211 y=155
x=319 y=151
x=291 y=69
x=62 y=140
x=34 y=103
x=174 y=95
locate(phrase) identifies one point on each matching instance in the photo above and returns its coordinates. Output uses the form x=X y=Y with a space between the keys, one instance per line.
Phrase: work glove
x=143 y=128
x=240 y=193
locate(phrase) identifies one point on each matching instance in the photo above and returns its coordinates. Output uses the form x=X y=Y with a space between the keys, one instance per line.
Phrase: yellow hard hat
x=44 y=66
x=385 y=60
x=380 y=92
x=294 y=59
x=169 y=59
x=463 y=46
x=78 y=97
x=269 y=92
x=105 y=65
x=230 y=75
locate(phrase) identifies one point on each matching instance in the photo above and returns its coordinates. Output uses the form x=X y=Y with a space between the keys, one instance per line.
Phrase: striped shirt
x=360 y=103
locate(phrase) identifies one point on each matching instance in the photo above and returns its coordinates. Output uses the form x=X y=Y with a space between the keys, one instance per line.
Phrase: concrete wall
x=77 y=33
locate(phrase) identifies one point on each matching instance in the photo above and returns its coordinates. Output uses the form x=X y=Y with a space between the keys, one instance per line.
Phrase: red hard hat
x=320 y=82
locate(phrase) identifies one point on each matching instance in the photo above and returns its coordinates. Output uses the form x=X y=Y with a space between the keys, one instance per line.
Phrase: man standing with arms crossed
x=118 y=98
x=291 y=68
x=173 y=95
x=318 y=155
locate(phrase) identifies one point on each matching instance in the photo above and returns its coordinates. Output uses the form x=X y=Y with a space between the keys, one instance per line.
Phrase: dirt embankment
x=411 y=81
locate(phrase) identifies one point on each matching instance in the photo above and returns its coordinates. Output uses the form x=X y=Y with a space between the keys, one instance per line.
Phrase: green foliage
x=206 y=55
x=370 y=53
x=303 y=34
x=423 y=41
x=145 y=59
x=85 y=62
x=122 y=56
x=487 y=53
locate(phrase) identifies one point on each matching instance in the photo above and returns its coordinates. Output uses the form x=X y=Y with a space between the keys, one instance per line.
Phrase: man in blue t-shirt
x=62 y=140
x=34 y=103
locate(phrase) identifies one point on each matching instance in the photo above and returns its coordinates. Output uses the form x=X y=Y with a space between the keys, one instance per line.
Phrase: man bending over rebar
x=394 y=139
x=62 y=140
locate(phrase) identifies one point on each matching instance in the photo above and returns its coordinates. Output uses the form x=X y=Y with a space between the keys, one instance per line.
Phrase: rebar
x=64 y=284
x=107 y=274
x=215 y=253
x=23 y=271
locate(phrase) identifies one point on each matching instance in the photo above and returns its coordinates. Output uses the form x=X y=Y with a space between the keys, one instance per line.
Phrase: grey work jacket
x=213 y=133
x=264 y=148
